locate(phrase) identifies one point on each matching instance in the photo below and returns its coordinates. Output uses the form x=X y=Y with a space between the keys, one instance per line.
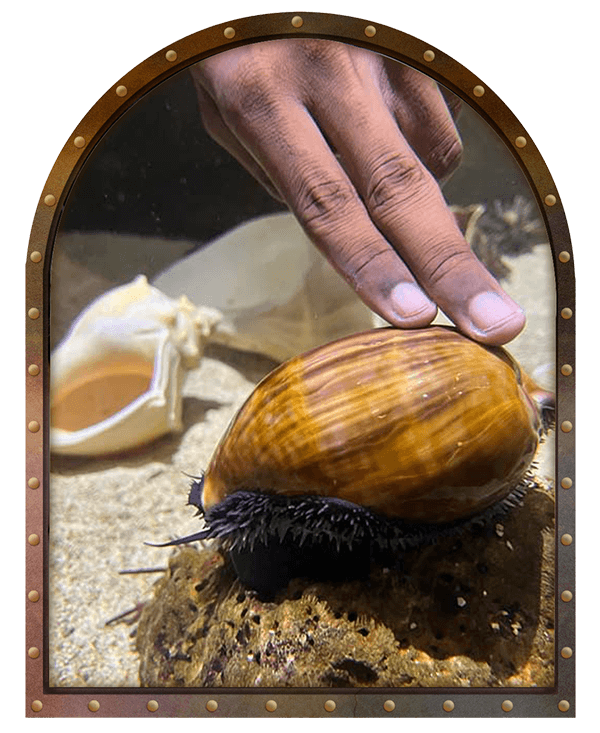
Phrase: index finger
x=290 y=148
x=407 y=205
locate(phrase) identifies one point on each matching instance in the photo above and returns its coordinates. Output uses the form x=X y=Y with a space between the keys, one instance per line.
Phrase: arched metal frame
x=46 y=702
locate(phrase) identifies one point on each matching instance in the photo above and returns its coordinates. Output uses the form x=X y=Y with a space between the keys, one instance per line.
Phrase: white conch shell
x=116 y=378
x=278 y=295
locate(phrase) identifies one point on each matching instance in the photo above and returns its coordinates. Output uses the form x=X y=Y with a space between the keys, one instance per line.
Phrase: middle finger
x=407 y=206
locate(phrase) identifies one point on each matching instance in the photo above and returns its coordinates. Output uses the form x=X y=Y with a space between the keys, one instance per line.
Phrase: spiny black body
x=272 y=538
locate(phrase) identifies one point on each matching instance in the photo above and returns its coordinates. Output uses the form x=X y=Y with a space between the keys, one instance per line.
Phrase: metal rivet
x=566 y=483
x=271 y=706
x=428 y=55
x=370 y=31
x=212 y=705
x=566 y=313
x=33 y=313
x=229 y=32
x=297 y=21
x=564 y=257
x=563 y=706
x=36 y=706
x=389 y=705
x=93 y=706
x=121 y=91
x=152 y=706
x=478 y=91
x=35 y=256
x=33 y=426
x=171 y=55
x=566 y=370
x=49 y=200
x=33 y=652
x=448 y=706
x=566 y=540
x=521 y=142
x=33 y=483
x=507 y=706
x=566 y=596
x=329 y=706
x=79 y=142
x=33 y=369
x=566 y=652
x=33 y=596
x=33 y=539
x=566 y=426
x=550 y=199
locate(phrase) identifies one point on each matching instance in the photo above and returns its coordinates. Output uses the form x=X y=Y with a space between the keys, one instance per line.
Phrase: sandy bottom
x=102 y=511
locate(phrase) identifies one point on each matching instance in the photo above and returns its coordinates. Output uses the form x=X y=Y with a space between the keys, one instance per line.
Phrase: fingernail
x=409 y=300
x=488 y=311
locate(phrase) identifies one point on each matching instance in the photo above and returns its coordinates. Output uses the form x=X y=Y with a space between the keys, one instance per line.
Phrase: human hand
x=353 y=143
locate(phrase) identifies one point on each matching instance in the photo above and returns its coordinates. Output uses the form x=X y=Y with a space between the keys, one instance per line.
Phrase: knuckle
x=394 y=179
x=251 y=94
x=324 y=55
x=315 y=51
x=322 y=201
x=445 y=155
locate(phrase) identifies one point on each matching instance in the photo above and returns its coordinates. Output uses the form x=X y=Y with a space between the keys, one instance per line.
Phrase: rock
x=474 y=610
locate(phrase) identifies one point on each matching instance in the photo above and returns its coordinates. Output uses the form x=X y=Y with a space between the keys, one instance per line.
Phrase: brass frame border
x=43 y=701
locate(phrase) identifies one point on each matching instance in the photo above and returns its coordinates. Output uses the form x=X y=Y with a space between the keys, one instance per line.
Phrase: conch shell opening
x=103 y=390
x=116 y=379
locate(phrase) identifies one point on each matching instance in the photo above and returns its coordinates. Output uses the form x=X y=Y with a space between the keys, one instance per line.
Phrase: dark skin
x=355 y=143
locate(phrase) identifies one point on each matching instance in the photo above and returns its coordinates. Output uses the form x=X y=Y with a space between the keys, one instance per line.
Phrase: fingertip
x=409 y=307
x=494 y=320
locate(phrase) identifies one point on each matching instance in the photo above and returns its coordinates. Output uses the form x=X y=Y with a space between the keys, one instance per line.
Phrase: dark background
x=158 y=173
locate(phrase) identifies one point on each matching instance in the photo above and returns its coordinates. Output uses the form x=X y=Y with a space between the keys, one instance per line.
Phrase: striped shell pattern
x=424 y=425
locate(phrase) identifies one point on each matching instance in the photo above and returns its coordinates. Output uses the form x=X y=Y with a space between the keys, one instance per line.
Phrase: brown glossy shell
x=425 y=425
